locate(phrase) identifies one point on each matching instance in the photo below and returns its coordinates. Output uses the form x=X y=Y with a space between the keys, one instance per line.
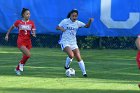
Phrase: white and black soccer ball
x=70 y=72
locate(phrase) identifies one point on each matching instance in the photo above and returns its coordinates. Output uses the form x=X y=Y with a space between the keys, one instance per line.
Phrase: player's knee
x=28 y=55
x=71 y=56
x=79 y=60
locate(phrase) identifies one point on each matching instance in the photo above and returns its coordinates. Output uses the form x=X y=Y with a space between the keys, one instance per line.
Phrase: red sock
x=138 y=59
x=17 y=68
x=23 y=61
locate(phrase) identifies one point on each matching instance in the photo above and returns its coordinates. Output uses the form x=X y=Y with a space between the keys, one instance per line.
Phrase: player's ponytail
x=72 y=11
x=23 y=11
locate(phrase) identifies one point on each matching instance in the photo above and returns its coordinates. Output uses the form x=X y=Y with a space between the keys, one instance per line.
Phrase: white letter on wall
x=133 y=19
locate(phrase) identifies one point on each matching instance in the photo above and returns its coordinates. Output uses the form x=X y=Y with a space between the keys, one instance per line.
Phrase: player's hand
x=91 y=19
x=6 y=37
x=33 y=34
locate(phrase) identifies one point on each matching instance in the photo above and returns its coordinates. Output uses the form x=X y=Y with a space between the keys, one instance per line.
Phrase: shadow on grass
x=49 y=64
x=42 y=90
x=52 y=71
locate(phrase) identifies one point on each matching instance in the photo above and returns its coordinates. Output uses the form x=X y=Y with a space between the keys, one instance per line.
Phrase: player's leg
x=26 y=55
x=138 y=53
x=80 y=61
x=70 y=54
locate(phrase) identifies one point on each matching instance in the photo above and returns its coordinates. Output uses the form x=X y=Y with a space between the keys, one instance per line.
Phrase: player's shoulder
x=18 y=20
x=65 y=20
x=78 y=21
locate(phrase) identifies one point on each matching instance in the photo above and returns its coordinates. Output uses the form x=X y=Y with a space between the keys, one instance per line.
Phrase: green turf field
x=109 y=71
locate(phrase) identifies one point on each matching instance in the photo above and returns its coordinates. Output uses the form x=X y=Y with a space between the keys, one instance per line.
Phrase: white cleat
x=21 y=67
x=17 y=72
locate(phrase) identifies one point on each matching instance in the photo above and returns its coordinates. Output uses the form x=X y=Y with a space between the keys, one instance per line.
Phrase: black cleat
x=66 y=67
x=139 y=85
x=85 y=75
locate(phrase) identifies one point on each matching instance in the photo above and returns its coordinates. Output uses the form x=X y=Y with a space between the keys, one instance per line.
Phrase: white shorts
x=138 y=36
x=72 y=46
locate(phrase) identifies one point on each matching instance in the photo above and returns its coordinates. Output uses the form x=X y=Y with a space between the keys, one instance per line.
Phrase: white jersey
x=69 y=36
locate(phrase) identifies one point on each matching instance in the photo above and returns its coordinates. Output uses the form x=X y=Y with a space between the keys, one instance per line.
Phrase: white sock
x=68 y=61
x=82 y=66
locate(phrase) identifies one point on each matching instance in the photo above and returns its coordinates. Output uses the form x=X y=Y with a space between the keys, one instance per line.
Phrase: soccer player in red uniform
x=25 y=27
x=138 y=54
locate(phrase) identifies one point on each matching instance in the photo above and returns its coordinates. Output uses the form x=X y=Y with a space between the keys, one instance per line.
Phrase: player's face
x=26 y=15
x=73 y=16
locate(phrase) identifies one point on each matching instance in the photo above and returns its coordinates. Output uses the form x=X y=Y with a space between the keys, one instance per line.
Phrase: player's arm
x=89 y=23
x=61 y=25
x=33 y=31
x=60 y=28
x=9 y=30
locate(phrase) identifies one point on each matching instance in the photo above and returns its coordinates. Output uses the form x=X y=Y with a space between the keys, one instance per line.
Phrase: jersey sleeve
x=16 y=23
x=33 y=26
x=81 y=24
x=62 y=23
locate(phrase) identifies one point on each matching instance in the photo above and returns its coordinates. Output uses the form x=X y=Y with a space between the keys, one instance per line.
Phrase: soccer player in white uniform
x=68 y=42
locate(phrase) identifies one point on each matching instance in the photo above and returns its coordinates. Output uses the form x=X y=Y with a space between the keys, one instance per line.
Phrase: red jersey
x=24 y=28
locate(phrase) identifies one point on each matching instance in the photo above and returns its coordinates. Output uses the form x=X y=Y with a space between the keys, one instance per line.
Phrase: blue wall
x=111 y=19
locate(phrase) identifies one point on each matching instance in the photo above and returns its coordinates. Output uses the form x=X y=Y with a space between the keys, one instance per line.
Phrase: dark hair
x=72 y=11
x=23 y=11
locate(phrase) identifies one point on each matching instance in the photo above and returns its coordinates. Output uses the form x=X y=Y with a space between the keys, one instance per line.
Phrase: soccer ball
x=70 y=72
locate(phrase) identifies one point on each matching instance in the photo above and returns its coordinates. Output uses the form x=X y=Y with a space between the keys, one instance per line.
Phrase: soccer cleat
x=85 y=75
x=21 y=67
x=17 y=72
x=66 y=67
x=139 y=85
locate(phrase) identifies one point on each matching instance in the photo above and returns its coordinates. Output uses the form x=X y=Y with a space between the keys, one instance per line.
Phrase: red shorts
x=26 y=43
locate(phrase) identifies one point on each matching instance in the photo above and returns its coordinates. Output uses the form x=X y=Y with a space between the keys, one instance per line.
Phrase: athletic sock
x=17 y=68
x=82 y=66
x=24 y=59
x=68 y=61
x=138 y=59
